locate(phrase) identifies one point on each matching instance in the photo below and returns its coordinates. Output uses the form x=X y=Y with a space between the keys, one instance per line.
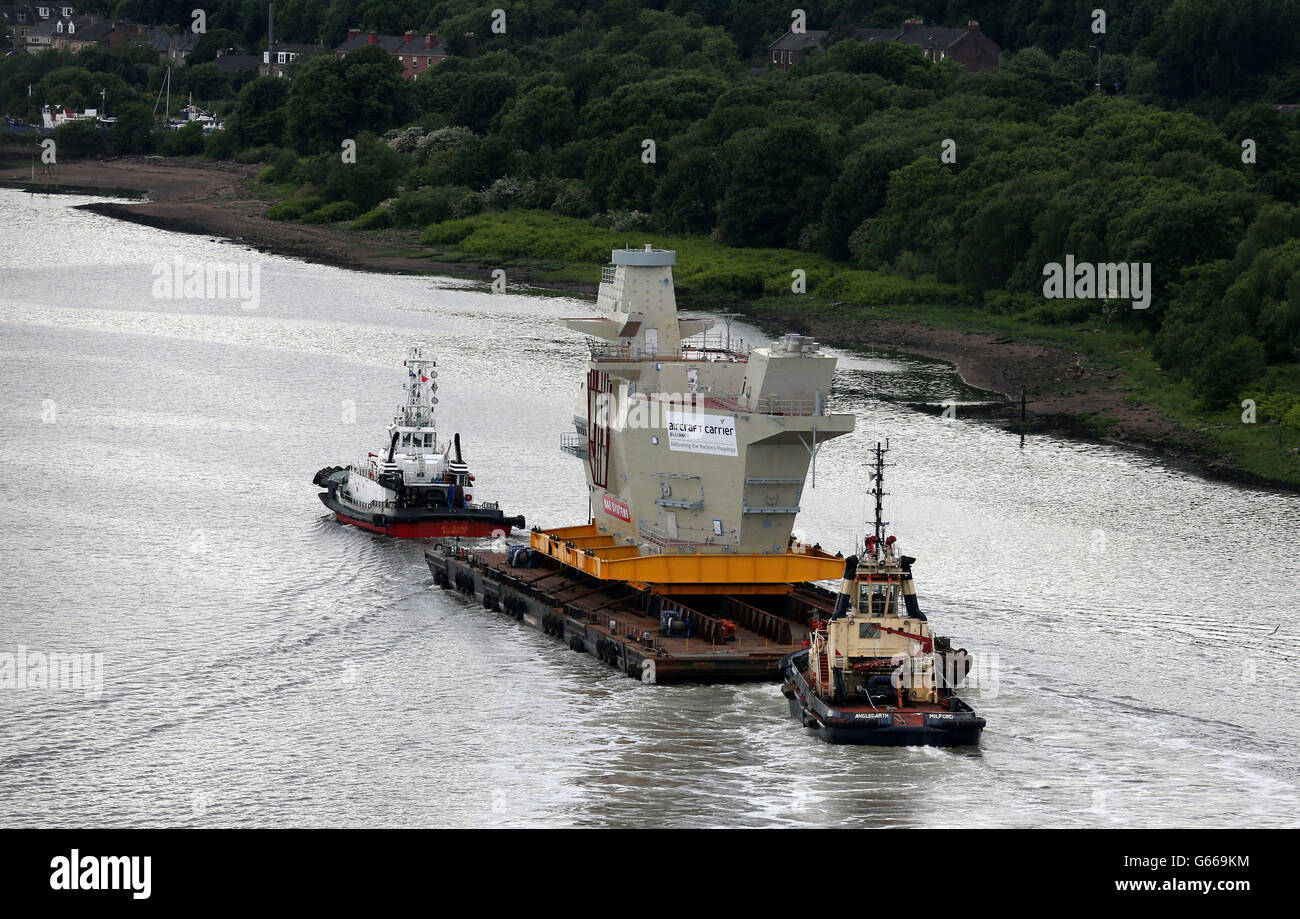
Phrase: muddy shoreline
x=1063 y=395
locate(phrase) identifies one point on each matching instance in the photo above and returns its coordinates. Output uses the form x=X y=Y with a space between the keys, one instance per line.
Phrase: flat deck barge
x=732 y=637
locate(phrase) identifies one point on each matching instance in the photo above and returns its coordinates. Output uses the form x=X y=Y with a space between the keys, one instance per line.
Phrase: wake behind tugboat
x=874 y=674
x=416 y=487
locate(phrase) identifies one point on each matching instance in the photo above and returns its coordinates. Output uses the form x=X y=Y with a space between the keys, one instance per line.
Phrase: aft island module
x=693 y=446
x=696 y=452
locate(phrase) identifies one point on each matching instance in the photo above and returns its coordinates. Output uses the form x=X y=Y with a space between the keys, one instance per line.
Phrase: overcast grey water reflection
x=265 y=666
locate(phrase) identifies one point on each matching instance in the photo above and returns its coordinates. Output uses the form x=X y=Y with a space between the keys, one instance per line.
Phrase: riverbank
x=1092 y=383
x=221 y=199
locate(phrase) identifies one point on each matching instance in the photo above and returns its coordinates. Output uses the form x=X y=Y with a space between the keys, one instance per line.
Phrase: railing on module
x=713 y=349
x=574 y=445
x=717 y=346
x=704 y=398
x=769 y=405
x=619 y=351
x=656 y=536
x=610 y=285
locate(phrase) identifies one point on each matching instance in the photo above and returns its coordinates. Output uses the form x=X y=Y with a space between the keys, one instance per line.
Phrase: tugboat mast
x=878 y=489
x=417 y=411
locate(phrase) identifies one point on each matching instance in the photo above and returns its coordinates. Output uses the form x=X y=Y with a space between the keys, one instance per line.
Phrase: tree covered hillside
x=1184 y=161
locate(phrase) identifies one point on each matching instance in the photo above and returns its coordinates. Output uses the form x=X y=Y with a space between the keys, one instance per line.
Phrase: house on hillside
x=276 y=59
x=124 y=33
x=416 y=53
x=77 y=32
x=784 y=50
x=18 y=20
x=970 y=48
x=36 y=23
x=58 y=28
x=46 y=11
x=234 y=63
x=173 y=47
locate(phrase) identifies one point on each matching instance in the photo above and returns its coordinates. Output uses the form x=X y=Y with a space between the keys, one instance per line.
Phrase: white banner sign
x=691 y=432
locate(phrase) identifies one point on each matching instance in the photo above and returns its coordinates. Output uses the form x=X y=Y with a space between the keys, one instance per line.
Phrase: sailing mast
x=167 y=84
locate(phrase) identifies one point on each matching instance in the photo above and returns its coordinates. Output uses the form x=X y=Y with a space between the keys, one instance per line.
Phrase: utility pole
x=270 y=34
x=1098 y=47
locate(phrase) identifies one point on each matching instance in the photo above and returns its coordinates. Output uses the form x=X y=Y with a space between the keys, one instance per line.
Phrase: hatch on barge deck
x=733 y=637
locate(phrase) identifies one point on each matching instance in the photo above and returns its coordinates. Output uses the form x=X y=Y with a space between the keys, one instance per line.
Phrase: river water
x=264 y=666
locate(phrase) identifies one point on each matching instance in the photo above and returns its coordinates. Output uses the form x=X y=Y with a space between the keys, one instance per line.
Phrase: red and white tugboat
x=875 y=673
x=415 y=487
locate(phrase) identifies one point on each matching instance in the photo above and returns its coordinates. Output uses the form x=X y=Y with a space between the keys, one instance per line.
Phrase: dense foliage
x=839 y=158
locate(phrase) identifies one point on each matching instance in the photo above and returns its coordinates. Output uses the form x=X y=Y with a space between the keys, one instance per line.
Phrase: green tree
x=371 y=179
x=776 y=179
x=859 y=192
x=332 y=100
x=1225 y=367
x=259 y=117
x=686 y=199
x=133 y=130
x=205 y=81
x=209 y=44
x=80 y=138
x=541 y=117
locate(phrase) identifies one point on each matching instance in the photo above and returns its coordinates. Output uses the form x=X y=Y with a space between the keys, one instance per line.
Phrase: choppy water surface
x=264 y=666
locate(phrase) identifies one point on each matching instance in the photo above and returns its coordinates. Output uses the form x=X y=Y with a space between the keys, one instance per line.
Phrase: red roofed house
x=416 y=53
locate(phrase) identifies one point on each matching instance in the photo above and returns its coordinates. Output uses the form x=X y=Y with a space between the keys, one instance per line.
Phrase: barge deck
x=733 y=637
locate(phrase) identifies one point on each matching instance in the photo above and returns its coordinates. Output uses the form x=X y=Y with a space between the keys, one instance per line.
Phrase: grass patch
x=577 y=250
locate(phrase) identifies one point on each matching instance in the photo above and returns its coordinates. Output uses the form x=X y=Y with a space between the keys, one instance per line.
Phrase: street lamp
x=1098 y=47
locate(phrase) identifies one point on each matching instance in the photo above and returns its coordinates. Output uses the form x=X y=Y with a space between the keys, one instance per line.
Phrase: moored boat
x=416 y=487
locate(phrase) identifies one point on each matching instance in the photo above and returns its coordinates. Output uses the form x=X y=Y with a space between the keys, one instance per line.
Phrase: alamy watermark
x=646 y=411
x=184 y=279
x=24 y=669
x=1103 y=281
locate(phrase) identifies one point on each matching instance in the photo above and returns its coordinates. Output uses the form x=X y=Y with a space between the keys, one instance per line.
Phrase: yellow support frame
x=586 y=549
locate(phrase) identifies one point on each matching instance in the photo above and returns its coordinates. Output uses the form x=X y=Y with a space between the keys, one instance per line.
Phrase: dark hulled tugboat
x=416 y=487
x=874 y=673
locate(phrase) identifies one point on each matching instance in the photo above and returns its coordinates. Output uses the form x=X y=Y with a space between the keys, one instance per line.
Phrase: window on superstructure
x=880 y=600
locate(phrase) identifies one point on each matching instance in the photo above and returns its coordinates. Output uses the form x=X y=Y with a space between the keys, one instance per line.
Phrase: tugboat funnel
x=392 y=446
x=846 y=586
x=909 y=589
x=456 y=438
